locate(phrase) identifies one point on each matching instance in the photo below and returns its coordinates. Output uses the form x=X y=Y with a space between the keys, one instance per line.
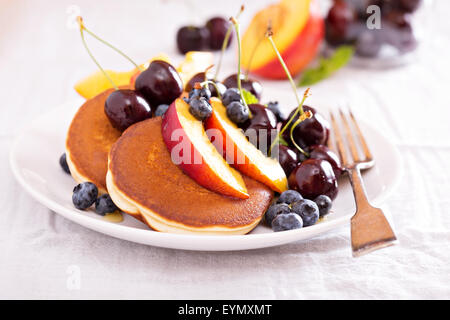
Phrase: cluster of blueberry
x=292 y=211
x=198 y=101
x=86 y=194
x=237 y=111
x=201 y=109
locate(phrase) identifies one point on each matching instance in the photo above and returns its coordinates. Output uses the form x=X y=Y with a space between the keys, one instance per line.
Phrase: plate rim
x=178 y=241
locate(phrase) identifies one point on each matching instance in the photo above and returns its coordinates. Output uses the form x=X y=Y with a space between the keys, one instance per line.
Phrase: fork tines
x=352 y=140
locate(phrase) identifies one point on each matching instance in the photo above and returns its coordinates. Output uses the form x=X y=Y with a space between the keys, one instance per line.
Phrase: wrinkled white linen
x=41 y=252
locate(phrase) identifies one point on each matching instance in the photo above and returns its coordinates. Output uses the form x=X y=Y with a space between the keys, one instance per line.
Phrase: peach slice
x=298 y=32
x=288 y=18
x=194 y=62
x=191 y=149
x=242 y=154
x=96 y=83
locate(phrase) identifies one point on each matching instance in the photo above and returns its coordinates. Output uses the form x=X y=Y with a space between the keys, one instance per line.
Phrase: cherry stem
x=238 y=38
x=306 y=115
x=250 y=60
x=225 y=44
x=206 y=82
x=82 y=28
x=286 y=70
x=302 y=117
x=300 y=110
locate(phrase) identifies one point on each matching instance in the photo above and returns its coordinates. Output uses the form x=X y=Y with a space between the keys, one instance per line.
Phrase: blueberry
x=289 y=196
x=200 y=108
x=162 y=108
x=237 y=112
x=104 y=205
x=230 y=96
x=287 y=221
x=202 y=92
x=84 y=195
x=275 y=210
x=324 y=203
x=307 y=210
x=63 y=163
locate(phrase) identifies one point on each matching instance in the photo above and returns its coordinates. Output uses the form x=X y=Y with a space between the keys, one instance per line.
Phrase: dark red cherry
x=262 y=117
x=261 y=128
x=324 y=153
x=338 y=23
x=125 y=107
x=310 y=131
x=160 y=83
x=250 y=85
x=314 y=177
x=191 y=38
x=288 y=159
x=218 y=28
x=200 y=77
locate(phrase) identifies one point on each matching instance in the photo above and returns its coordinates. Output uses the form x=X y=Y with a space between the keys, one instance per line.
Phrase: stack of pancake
x=136 y=169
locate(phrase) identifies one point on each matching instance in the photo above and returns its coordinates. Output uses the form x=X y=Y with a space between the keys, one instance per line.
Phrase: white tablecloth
x=41 y=252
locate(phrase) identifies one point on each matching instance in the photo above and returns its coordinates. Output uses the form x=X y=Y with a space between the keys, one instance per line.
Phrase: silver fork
x=370 y=230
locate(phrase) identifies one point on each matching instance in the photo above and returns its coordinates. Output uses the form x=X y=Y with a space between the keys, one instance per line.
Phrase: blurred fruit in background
x=298 y=31
x=376 y=28
x=209 y=37
x=192 y=38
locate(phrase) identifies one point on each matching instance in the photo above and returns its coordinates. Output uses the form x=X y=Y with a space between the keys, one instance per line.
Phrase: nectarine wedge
x=298 y=32
x=242 y=154
x=191 y=149
x=96 y=82
x=194 y=62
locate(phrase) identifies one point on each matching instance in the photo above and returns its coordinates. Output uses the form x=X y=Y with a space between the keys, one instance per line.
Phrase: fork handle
x=358 y=188
x=370 y=230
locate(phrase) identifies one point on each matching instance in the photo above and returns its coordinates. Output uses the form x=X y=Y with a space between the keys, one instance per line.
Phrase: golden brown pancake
x=89 y=140
x=142 y=180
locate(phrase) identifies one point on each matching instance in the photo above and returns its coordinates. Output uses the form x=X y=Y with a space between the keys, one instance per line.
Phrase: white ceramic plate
x=34 y=162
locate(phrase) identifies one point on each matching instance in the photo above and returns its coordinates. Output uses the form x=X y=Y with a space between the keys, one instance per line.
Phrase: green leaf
x=249 y=97
x=327 y=66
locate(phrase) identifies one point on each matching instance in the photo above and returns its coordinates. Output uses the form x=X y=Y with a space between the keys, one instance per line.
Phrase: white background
x=40 y=60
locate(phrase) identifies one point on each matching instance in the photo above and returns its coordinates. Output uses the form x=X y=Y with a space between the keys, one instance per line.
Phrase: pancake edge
x=77 y=176
x=156 y=222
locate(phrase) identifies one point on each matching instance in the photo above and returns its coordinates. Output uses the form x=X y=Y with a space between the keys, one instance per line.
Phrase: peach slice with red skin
x=242 y=154
x=193 y=152
x=298 y=32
